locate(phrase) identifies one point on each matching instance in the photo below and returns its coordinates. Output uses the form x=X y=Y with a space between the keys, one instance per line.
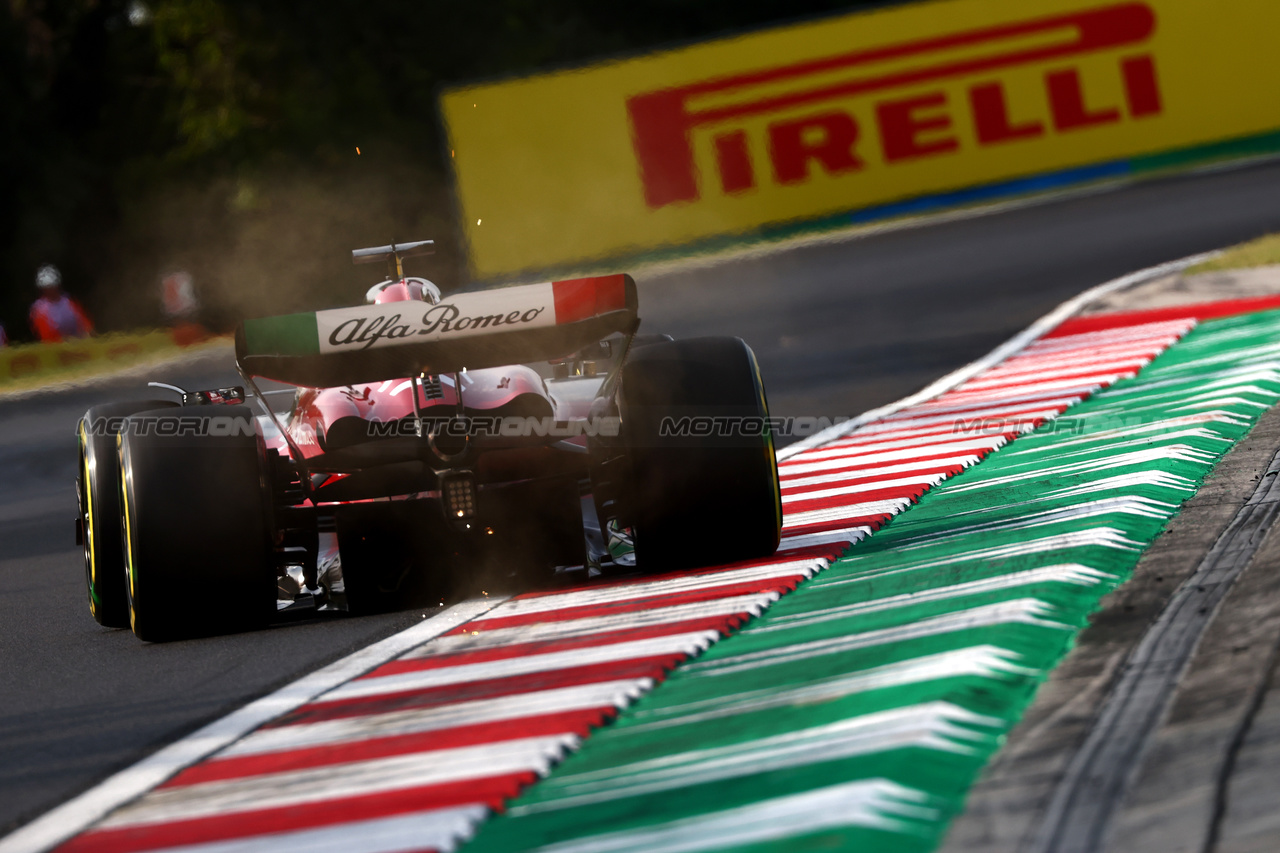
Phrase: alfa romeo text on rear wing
x=370 y=343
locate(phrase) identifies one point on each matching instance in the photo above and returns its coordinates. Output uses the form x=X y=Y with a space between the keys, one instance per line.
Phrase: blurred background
x=253 y=145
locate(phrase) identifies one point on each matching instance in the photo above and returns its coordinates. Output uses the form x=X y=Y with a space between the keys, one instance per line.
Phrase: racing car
x=424 y=437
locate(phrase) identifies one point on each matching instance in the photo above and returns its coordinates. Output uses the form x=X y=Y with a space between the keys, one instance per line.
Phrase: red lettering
x=663 y=121
x=734 y=161
x=792 y=145
x=72 y=356
x=991 y=116
x=1066 y=99
x=21 y=365
x=901 y=127
x=1140 y=86
x=663 y=146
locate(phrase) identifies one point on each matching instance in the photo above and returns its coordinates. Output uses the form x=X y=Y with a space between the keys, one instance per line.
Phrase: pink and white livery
x=428 y=437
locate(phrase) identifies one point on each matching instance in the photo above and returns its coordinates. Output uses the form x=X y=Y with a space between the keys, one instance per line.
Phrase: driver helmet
x=417 y=289
x=48 y=276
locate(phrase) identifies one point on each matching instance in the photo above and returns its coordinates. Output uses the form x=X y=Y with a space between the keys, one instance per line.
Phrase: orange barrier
x=853 y=112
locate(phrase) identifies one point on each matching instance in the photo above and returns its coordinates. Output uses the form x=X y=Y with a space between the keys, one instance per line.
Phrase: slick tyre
x=98 y=492
x=694 y=497
x=196 y=531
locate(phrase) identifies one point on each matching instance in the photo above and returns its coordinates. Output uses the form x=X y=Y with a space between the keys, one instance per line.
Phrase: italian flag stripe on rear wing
x=580 y=298
x=290 y=334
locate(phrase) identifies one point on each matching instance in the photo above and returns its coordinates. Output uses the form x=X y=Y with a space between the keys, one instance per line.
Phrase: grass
x=1261 y=252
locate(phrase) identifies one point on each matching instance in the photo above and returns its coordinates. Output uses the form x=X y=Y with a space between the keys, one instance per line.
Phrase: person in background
x=55 y=316
x=4 y=339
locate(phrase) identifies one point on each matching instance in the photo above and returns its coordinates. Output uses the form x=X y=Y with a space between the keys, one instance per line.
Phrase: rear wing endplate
x=489 y=328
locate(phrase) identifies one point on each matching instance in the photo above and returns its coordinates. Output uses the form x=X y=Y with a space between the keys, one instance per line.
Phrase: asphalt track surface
x=839 y=327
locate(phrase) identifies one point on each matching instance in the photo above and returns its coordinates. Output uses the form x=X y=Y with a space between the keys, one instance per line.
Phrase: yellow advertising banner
x=27 y=362
x=802 y=122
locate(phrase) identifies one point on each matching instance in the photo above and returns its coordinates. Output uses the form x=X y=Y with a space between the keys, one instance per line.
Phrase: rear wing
x=489 y=328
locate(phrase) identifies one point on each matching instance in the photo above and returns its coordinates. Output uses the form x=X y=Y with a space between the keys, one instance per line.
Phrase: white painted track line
x=72 y=817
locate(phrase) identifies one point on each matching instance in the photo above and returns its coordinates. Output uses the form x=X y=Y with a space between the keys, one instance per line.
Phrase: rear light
x=459 y=494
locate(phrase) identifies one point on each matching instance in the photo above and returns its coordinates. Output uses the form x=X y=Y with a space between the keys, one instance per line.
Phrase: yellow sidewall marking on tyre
x=769 y=449
x=128 y=539
x=87 y=479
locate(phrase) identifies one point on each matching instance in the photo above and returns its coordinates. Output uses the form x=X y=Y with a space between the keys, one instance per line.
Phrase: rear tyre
x=698 y=493
x=98 y=491
x=196 y=529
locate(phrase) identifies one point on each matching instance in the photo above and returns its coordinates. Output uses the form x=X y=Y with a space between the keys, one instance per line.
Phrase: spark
x=357 y=150
x=477 y=221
